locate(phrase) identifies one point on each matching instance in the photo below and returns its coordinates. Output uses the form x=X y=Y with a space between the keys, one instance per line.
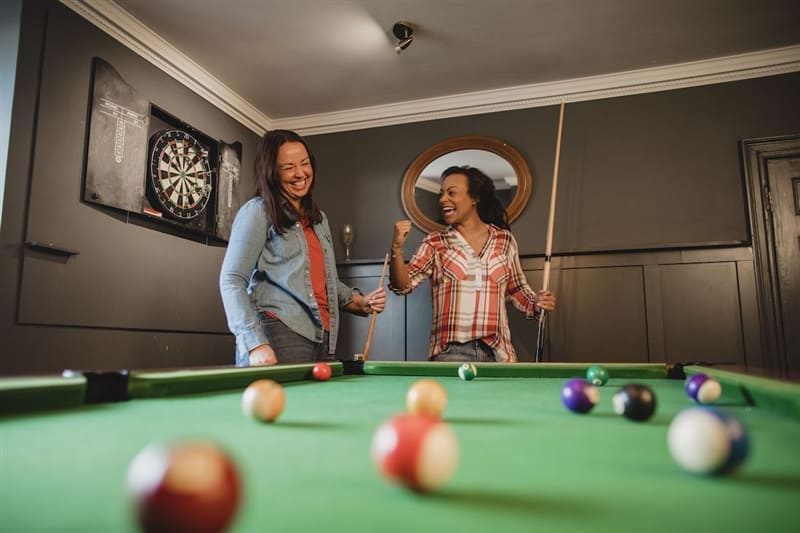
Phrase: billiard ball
x=635 y=402
x=416 y=451
x=263 y=400
x=192 y=486
x=579 y=396
x=426 y=397
x=707 y=441
x=597 y=375
x=703 y=388
x=321 y=371
x=467 y=371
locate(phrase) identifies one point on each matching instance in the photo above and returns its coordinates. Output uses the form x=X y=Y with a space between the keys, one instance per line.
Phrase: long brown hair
x=268 y=182
x=481 y=188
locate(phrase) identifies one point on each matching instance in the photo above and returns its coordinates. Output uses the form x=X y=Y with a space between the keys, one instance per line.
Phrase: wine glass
x=347 y=239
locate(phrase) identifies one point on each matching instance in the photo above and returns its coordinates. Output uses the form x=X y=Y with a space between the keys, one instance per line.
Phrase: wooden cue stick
x=548 y=248
x=374 y=313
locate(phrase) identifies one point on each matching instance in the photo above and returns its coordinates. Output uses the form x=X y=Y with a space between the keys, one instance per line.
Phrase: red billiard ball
x=189 y=487
x=321 y=371
x=420 y=452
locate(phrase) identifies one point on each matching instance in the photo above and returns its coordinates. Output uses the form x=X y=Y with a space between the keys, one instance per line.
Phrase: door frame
x=756 y=153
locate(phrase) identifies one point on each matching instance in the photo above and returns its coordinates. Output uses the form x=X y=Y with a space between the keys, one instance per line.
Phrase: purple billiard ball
x=579 y=396
x=703 y=388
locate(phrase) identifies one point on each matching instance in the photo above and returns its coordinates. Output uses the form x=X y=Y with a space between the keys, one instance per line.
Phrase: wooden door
x=772 y=178
x=783 y=176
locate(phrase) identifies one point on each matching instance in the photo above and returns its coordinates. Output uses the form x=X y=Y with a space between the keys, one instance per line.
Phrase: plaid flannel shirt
x=469 y=291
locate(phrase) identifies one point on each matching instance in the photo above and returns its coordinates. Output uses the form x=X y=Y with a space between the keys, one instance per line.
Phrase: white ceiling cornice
x=718 y=70
x=108 y=16
x=119 y=24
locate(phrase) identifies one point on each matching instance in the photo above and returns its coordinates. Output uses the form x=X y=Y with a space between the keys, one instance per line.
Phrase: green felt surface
x=527 y=464
x=779 y=397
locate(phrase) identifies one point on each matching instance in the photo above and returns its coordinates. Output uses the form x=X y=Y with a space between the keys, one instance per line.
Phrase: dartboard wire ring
x=180 y=173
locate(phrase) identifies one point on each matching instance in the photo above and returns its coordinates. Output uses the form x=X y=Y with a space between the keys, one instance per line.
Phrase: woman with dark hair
x=474 y=268
x=279 y=284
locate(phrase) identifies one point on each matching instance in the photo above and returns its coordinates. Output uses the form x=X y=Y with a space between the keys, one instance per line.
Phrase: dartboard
x=180 y=174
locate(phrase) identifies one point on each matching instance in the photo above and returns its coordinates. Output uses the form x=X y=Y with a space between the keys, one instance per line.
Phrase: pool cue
x=374 y=316
x=548 y=248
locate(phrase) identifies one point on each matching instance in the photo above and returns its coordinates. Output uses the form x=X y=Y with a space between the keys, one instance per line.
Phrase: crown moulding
x=129 y=31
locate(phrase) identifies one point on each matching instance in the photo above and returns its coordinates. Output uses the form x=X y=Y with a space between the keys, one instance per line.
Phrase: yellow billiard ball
x=426 y=397
x=263 y=400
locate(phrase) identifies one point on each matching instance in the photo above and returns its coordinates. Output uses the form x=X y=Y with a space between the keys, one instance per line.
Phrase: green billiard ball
x=467 y=371
x=597 y=375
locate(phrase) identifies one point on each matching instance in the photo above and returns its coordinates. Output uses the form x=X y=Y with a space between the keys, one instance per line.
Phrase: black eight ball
x=635 y=402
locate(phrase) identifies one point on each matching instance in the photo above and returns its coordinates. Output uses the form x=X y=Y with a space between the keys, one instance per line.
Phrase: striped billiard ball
x=707 y=441
x=702 y=388
x=467 y=371
x=419 y=452
x=192 y=486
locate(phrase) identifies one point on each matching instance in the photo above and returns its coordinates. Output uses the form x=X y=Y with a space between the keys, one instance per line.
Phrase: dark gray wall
x=135 y=296
x=637 y=172
x=664 y=306
x=656 y=178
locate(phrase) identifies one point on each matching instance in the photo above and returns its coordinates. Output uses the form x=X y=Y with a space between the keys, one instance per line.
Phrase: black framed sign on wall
x=142 y=159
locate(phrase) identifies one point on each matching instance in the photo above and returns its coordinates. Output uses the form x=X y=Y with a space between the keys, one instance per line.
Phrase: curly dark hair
x=481 y=188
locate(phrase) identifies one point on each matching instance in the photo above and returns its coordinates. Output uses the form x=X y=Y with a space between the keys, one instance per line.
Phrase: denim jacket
x=266 y=271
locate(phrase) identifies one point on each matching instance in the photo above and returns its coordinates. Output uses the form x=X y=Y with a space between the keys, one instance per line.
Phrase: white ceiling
x=288 y=60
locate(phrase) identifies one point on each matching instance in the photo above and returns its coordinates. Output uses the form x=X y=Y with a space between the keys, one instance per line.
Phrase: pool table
x=526 y=463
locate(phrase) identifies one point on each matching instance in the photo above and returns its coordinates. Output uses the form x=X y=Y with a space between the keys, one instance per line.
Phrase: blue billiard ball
x=703 y=388
x=707 y=441
x=579 y=396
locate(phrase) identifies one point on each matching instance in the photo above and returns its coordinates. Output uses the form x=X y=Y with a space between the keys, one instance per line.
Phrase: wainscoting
x=657 y=306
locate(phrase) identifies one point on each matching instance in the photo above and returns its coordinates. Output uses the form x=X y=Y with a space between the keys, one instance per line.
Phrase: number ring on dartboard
x=180 y=174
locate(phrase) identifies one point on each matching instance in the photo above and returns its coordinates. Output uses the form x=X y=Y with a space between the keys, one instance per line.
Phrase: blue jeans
x=290 y=348
x=475 y=351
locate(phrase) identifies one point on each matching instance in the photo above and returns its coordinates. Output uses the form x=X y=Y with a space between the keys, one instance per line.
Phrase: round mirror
x=497 y=159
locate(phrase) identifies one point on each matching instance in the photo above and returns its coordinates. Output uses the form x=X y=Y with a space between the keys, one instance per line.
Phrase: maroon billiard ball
x=322 y=371
x=188 y=487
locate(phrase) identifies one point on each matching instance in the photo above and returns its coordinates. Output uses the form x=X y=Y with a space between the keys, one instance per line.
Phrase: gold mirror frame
x=469 y=142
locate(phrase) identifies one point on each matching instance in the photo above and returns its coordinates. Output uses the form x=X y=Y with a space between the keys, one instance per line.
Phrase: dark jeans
x=475 y=351
x=290 y=348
